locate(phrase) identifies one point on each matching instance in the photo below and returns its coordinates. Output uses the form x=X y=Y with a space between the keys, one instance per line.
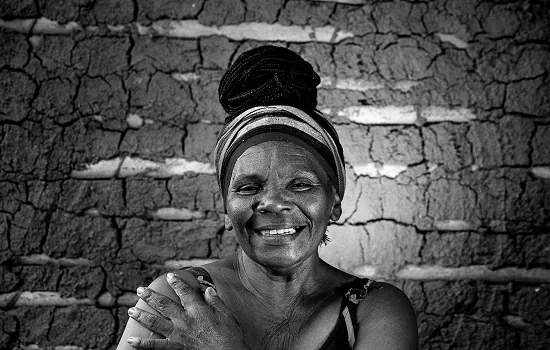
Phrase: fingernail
x=169 y=276
x=140 y=290
x=131 y=311
x=131 y=341
x=212 y=291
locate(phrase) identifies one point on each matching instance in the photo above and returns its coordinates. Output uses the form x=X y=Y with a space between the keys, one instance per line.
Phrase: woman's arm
x=160 y=285
x=386 y=320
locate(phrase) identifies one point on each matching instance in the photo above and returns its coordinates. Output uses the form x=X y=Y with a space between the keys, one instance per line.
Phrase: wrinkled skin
x=196 y=323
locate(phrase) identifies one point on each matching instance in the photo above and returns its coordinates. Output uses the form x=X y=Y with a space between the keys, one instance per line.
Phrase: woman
x=280 y=168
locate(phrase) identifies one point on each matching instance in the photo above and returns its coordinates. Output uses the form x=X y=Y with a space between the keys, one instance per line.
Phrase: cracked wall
x=109 y=116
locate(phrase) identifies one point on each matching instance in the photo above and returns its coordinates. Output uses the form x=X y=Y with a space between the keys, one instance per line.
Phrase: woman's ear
x=336 y=208
x=227 y=222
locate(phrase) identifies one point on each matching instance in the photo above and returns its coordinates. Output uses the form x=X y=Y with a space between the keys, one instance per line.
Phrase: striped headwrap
x=284 y=123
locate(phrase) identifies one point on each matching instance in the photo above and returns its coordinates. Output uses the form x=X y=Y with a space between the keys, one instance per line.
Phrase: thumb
x=212 y=299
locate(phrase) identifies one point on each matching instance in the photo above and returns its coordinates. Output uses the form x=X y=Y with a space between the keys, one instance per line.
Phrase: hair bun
x=268 y=75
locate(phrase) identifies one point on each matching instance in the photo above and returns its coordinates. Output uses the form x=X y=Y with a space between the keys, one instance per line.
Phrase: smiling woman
x=280 y=167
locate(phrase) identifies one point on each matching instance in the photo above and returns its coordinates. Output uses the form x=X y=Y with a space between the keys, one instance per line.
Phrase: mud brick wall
x=109 y=115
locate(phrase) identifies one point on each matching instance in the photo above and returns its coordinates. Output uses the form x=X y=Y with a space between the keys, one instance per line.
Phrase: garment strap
x=354 y=295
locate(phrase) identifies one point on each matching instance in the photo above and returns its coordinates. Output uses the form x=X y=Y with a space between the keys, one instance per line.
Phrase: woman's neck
x=283 y=288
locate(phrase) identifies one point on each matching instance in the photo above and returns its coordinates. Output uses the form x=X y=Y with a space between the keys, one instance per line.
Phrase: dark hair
x=272 y=75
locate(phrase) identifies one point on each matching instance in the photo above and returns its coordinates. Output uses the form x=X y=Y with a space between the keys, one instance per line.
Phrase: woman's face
x=279 y=202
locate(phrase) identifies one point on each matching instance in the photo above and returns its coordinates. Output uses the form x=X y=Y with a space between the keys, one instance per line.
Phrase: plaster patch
x=366 y=271
x=434 y=114
x=27 y=298
x=104 y=169
x=357 y=85
x=516 y=322
x=453 y=225
x=542 y=172
x=379 y=115
x=177 y=214
x=186 y=76
x=171 y=167
x=35 y=40
x=374 y=170
x=245 y=31
x=127 y=299
x=474 y=272
x=42 y=259
x=405 y=85
x=453 y=40
x=40 y=26
x=134 y=121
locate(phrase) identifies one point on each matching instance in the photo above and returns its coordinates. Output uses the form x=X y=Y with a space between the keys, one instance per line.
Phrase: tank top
x=342 y=336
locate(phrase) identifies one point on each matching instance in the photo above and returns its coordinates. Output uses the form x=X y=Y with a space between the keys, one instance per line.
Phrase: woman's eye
x=301 y=186
x=248 y=189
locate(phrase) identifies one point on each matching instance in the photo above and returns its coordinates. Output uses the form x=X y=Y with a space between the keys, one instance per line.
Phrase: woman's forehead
x=280 y=154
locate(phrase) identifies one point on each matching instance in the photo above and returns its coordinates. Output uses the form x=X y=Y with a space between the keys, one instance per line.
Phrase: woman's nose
x=273 y=202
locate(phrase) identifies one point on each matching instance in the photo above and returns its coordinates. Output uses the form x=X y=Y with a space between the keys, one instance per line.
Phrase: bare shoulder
x=159 y=285
x=386 y=319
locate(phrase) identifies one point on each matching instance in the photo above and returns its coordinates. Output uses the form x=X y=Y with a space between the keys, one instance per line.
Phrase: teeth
x=284 y=231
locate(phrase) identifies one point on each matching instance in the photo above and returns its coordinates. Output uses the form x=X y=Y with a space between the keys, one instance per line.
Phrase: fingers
x=189 y=297
x=140 y=343
x=157 y=324
x=214 y=300
x=164 y=305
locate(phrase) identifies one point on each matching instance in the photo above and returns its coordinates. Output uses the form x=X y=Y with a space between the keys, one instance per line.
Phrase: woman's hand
x=196 y=323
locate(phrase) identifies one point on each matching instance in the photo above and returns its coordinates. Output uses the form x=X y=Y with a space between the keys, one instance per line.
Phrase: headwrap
x=285 y=123
x=270 y=93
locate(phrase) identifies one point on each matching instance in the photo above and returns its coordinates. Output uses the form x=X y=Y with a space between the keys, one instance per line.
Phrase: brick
x=222 y=12
x=534 y=22
x=27 y=230
x=200 y=141
x=78 y=236
x=173 y=9
x=536 y=103
x=530 y=303
x=463 y=249
x=25 y=8
x=303 y=13
x=498 y=15
x=160 y=98
x=32 y=321
x=408 y=59
x=55 y=97
x=38 y=278
x=81 y=282
x=392 y=17
x=355 y=59
x=259 y=11
x=104 y=99
x=17 y=90
x=70 y=326
x=143 y=194
x=541 y=145
x=14 y=49
x=164 y=54
x=77 y=196
x=355 y=19
x=123 y=276
x=9 y=279
x=389 y=245
x=8 y=330
x=151 y=241
x=448 y=199
x=446 y=145
x=217 y=51
x=198 y=192
x=205 y=93
x=155 y=141
x=101 y=55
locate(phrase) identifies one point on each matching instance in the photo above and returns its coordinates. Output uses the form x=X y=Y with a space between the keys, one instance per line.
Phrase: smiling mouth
x=279 y=232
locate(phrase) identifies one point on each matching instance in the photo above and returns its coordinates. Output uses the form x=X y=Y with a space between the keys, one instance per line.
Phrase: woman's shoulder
x=386 y=318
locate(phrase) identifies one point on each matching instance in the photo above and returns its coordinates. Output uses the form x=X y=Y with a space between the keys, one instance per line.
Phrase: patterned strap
x=352 y=298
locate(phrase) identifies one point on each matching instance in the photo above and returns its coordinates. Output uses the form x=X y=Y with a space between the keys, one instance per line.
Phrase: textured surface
x=109 y=116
